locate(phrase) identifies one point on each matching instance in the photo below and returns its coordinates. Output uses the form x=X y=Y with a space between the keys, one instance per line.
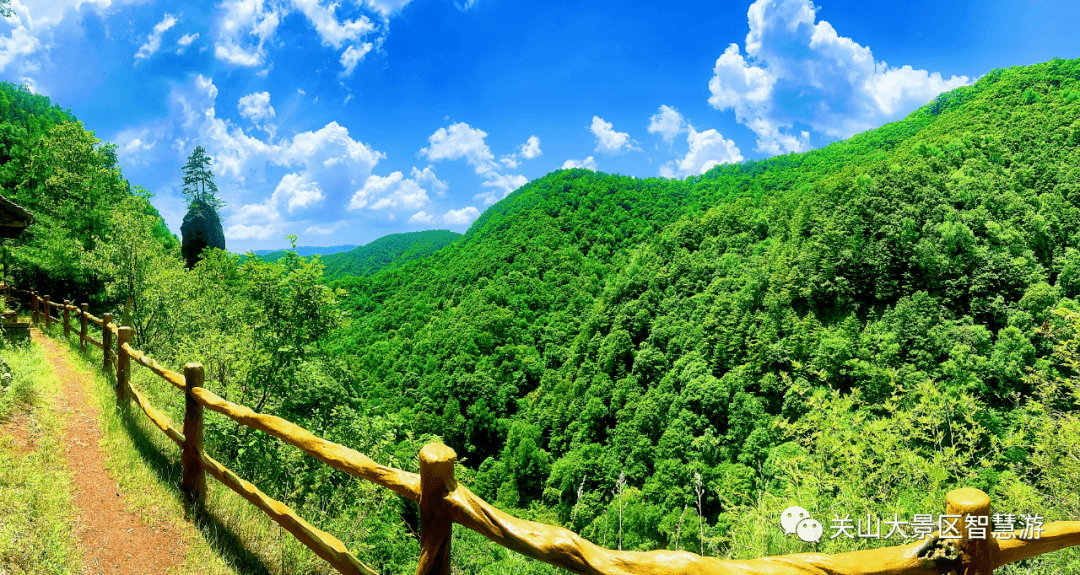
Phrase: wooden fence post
x=45 y=304
x=106 y=341
x=123 y=364
x=194 y=481
x=67 y=324
x=33 y=306
x=436 y=480
x=83 y=320
x=976 y=553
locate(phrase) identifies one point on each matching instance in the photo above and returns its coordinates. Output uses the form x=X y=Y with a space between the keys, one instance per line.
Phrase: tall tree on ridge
x=199 y=186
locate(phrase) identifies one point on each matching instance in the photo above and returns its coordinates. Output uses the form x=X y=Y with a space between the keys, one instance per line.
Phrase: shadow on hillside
x=221 y=538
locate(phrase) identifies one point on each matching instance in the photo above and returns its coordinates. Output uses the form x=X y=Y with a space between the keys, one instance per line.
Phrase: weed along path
x=113 y=540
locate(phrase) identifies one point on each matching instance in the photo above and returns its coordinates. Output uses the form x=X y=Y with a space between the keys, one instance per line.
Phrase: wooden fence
x=443 y=501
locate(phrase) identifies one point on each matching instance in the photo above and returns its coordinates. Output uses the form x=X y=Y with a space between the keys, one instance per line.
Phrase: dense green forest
x=387 y=252
x=654 y=363
x=275 y=255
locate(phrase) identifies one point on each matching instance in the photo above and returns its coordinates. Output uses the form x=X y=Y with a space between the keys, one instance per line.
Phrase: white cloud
x=529 y=150
x=668 y=122
x=393 y=191
x=501 y=182
x=20 y=43
x=707 y=149
x=325 y=167
x=330 y=30
x=463 y=6
x=421 y=218
x=297 y=192
x=608 y=140
x=244 y=21
x=427 y=176
x=256 y=107
x=463 y=141
x=186 y=41
x=463 y=216
x=798 y=71
x=588 y=163
x=460 y=140
x=153 y=42
x=353 y=56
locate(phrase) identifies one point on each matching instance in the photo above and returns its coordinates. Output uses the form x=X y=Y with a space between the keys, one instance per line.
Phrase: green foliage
x=389 y=251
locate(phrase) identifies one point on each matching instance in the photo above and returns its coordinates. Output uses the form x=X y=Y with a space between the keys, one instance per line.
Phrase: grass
x=230 y=536
x=36 y=512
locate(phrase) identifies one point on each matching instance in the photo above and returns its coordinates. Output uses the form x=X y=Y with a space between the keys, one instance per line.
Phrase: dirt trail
x=113 y=540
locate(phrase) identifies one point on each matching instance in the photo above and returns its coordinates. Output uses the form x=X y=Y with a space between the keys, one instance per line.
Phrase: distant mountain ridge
x=306 y=251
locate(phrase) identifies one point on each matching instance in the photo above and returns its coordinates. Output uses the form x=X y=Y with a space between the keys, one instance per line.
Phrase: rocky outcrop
x=201 y=229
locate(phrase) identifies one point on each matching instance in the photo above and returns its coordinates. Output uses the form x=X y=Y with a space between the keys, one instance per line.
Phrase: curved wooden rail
x=96 y=320
x=322 y=543
x=337 y=456
x=95 y=342
x=159 y=419
x=142 y=359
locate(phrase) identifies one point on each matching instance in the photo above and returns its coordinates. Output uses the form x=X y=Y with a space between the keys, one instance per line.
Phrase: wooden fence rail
x=443 y=501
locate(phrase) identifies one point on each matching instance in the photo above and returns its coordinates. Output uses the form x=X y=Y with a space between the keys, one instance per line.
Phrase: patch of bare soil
x=113 y=540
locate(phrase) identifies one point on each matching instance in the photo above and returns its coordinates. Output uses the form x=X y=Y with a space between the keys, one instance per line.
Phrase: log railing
x=443 y=501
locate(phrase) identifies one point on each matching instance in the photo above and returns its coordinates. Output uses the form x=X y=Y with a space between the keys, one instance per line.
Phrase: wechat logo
x=798 y=521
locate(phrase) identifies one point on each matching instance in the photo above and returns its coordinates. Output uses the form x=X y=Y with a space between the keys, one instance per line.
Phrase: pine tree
x=199 y=186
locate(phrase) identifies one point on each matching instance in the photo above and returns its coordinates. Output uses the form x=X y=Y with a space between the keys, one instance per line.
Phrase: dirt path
x=113 y=541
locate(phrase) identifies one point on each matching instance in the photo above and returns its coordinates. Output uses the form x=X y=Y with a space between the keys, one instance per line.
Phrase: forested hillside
x=653 y=363
x=592 y=325
x=387 y=252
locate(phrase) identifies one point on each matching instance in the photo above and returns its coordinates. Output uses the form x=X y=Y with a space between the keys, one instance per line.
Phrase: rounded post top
x=193 y=365
x=968 y=500
x=437 y=453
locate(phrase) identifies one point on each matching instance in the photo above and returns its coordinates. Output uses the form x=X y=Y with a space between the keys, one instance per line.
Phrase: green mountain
x=590 y=325
x=387 y=252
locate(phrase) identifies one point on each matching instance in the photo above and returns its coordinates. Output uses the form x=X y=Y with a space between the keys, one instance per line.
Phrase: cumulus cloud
x=244 y=30
x=331 y=31
x=529 y=150
x=797 y=70
x=667 y=122
x=427 y=176
x=393 y=191
x=608 y=140
x=256 y=107
x=421 y=217
x=707 y=149
x=588 y=163
x=463 y=216
x=153 y=42
x=461 y=140
x=248 y=26
x=325 y=168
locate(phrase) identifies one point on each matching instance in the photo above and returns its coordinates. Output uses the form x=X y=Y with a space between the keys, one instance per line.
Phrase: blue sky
x=345 y=121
